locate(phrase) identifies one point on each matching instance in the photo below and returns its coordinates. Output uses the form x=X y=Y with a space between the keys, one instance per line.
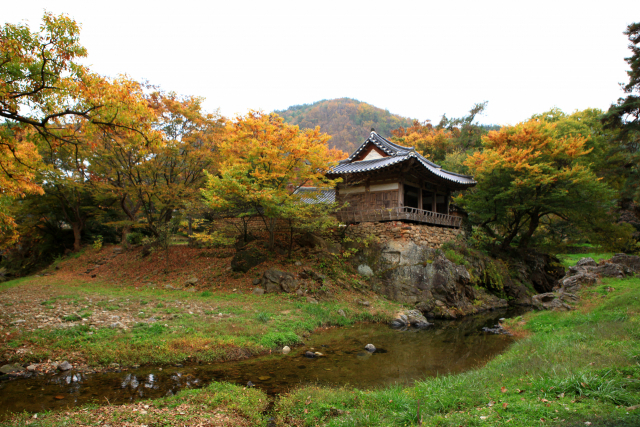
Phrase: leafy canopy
x=263 y=160
x=526 y=175
x=48 y=99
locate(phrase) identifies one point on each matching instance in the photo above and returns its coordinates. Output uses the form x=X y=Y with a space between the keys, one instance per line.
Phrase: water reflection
x=403 y=357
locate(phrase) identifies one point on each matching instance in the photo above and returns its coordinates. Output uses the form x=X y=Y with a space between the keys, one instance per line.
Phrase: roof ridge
x=393 y=144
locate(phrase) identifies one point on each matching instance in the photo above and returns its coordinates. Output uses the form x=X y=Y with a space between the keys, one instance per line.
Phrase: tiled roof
x=396 y=154
x=313 y=195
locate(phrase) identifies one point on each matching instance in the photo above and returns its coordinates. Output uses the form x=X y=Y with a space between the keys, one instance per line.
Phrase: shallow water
x=402 y=358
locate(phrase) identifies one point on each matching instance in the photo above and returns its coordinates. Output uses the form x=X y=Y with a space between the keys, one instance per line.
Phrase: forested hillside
x=347 y=120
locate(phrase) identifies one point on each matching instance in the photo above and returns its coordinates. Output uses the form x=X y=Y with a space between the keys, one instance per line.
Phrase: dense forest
x=347 y=120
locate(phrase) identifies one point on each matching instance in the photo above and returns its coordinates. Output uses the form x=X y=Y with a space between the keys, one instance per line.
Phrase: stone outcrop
x=245 y=260
x=585 y=273
x=426 y=279
x=629 y=261
x=557 y=301
x=276 y=281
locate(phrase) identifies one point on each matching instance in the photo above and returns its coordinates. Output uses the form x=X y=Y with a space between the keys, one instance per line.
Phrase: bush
x=97 y=243
x=135 y=238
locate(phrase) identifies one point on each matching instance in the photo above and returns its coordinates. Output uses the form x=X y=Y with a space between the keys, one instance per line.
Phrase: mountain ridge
x=347 y=120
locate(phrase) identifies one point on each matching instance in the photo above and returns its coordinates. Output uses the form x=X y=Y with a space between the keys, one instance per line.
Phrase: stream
x=403 y=356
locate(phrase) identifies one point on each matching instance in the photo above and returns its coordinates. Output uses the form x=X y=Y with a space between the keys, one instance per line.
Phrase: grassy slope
x=249 y=324
x=575 y=367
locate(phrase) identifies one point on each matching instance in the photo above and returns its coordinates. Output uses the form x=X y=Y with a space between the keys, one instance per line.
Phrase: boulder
x=286 y=349
x=311 y=240
x=275 y=281
x=258 y=291
x=612 y=270
x=417 y=319
x=11 y=368
x=191 y=281
x=365 y=270
x=245 y=260
x=586 y=262
x=630 y=261
x=370 y=348
x=553 y=301
x=412 y=318
x=65 y=366
x=310 y=274
x=574 y=283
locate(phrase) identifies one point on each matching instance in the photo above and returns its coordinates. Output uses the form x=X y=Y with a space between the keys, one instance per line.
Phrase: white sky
x=415 y=58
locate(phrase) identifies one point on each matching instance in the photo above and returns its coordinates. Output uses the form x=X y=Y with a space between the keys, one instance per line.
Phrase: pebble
x=370 y=348
x=286 y=349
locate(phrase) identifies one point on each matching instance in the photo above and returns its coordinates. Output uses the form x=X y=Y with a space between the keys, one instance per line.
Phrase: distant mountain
x=348 y=121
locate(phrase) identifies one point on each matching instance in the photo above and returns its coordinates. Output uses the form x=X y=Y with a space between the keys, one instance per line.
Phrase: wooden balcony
x=400 y=214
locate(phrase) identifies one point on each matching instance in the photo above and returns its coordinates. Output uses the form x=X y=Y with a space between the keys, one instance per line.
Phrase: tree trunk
x=533 y=226
x=290 y=238
x=125 y=230
x=272 y=232
x=77 y=235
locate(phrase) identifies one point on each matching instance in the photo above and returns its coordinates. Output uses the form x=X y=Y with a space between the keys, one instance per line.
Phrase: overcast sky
x=419 y=59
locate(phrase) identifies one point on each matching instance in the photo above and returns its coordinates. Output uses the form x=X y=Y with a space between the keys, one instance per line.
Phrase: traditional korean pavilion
x=383 y=181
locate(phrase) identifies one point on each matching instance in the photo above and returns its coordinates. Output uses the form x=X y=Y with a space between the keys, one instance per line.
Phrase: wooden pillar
x=400 y=194
x=434 y=202
x=447 y=201
x=420 y=197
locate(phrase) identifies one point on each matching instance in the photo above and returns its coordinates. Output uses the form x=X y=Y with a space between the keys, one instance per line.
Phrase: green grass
x=569 y=260
x=575 y=367
x=249 y=325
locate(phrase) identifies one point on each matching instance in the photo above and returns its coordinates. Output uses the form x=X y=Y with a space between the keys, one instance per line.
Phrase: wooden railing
x=400 y=214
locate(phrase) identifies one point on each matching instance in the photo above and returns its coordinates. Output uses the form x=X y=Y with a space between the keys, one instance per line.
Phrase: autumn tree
x=526 y=175
x=152 y=180
x=48 y=98
x=263 y=160
x=449 y=142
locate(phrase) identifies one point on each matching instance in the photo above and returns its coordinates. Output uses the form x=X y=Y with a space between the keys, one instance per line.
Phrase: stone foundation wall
x=420 y=234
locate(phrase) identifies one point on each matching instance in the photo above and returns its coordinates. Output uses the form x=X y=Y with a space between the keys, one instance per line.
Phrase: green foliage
x=135 y=238
x=454 y=257
x=97 y=243
x=450 y=141
x=527 y=176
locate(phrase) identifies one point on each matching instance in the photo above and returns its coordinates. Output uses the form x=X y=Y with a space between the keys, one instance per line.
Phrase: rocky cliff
x=440 y=288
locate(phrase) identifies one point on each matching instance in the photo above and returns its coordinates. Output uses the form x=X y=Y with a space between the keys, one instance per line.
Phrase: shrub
x=135 y=238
